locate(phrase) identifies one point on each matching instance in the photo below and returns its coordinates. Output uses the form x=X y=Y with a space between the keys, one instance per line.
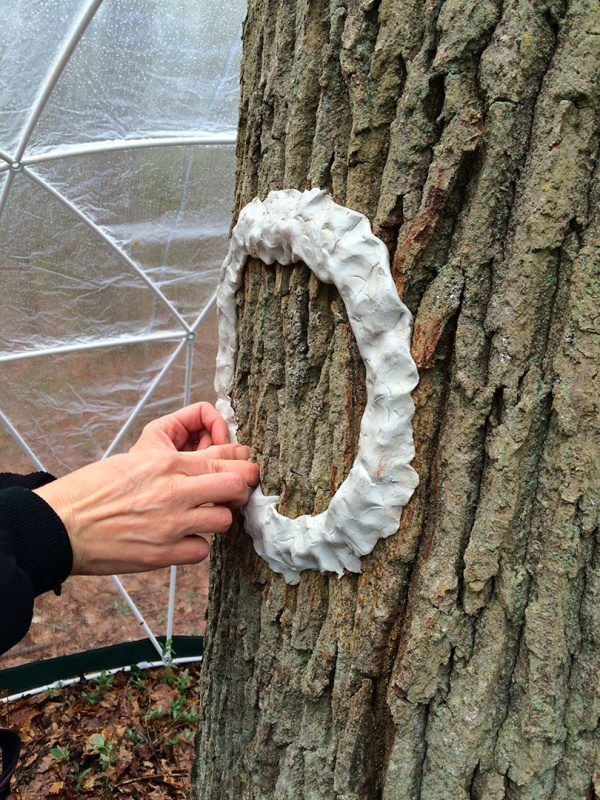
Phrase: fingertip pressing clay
x=337 y=244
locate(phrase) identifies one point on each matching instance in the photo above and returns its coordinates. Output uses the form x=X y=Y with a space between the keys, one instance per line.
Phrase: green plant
x=77 y=775
x=154 y=713
x=133 y=736
x=61 y=753
x=101 y=685
x=104 y=748
x=121 y=608
x=177 y=708
x=136 y=677
x=168 y=653
x=161 y=617
x=181 y=681
x=190 y=715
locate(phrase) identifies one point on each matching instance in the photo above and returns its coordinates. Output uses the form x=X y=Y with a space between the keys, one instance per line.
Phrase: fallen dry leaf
x=92 y=741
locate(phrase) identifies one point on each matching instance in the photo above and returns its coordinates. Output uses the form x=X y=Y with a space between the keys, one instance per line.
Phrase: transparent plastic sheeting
x=117 y=131
x=142 y=67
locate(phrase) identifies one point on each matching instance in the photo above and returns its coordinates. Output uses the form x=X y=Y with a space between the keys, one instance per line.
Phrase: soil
x=91 y=613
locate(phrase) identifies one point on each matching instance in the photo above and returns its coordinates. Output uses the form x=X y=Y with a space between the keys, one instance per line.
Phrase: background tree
x=465 y=661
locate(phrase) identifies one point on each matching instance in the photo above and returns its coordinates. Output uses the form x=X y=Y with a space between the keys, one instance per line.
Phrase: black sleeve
x=16 y=593
x=35 y=552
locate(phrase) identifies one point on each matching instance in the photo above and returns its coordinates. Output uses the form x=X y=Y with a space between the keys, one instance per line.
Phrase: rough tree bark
x=465 y=661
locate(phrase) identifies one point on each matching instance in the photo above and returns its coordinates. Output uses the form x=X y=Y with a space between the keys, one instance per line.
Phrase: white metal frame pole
x=117 y=145
x=142 y=402
x=20 y=441
x=93 y=344
x=55 y=72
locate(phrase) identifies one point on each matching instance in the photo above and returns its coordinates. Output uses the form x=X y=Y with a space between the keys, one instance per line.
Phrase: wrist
x=57 y=496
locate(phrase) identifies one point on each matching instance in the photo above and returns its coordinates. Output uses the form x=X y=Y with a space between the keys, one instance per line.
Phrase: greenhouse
x=117 y=152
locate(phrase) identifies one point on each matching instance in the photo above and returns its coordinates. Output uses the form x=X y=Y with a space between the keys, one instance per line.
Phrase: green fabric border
x=42 y=673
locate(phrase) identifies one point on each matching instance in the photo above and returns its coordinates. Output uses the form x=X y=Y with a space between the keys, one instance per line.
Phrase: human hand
x=147 y=508
x=194 y=427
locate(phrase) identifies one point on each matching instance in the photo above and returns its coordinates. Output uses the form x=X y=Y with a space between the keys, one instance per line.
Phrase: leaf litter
x=128 y=735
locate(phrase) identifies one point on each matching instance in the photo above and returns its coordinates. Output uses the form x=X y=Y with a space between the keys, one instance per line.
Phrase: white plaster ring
x=339 y=247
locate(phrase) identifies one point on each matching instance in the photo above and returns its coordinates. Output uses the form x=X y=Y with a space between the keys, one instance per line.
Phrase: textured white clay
x=339 y=247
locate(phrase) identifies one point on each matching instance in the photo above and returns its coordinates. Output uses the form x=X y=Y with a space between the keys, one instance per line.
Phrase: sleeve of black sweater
x=35 y=552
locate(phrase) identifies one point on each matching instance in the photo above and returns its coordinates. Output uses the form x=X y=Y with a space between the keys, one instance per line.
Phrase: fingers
x=222 y=451
x=187 y=547
x=196 y=464
x=235 y=452
x=196 y=426
x=226 y=488
x=191 y=428
x=189 y=550
x=211 y=519
x=213 y=423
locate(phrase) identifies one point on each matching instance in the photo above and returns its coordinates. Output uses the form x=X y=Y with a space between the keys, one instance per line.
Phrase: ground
x=90 y=613
x=123 y=736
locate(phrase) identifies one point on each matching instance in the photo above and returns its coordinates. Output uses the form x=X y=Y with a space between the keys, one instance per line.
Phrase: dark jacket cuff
x=17 y=596
x=31 y=481
x=41 y=542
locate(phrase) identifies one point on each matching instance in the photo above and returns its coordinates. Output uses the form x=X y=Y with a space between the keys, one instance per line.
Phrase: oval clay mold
x=337 y=244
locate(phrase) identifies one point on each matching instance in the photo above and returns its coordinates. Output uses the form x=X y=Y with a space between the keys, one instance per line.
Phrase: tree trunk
x=464 y=662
